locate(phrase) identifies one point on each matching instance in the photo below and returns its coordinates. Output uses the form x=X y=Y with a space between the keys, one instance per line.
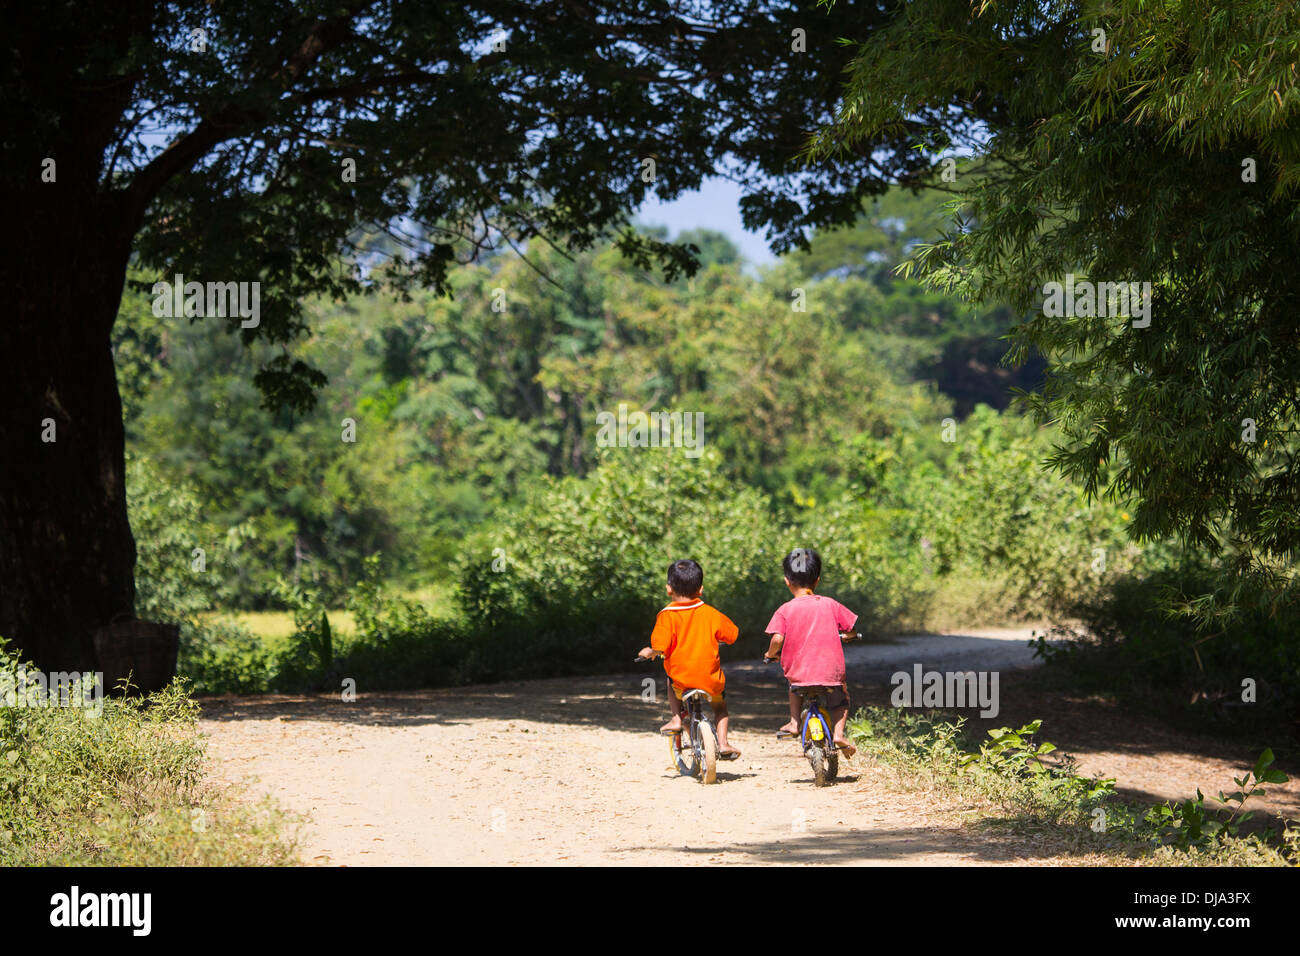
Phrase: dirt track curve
x=572 y=771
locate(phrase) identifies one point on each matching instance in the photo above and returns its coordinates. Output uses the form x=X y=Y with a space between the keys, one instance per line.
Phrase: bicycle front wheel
x=683 y=755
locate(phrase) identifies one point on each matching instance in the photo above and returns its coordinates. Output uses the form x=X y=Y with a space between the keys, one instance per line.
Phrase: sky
x=715 y=205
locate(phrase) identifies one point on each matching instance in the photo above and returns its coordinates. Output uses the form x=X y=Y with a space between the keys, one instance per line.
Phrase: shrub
x=121 y=788
x=223 y=657
x=1131 y=644
x=573 y=581
x=1009 y=772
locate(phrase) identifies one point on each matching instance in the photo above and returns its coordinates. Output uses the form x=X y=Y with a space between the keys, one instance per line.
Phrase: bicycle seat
x=688 y=694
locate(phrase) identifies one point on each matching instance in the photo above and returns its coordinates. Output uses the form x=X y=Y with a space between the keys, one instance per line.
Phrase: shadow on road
x=859 y=847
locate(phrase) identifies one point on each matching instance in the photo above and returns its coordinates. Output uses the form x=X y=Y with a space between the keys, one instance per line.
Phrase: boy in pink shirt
x=808 y=634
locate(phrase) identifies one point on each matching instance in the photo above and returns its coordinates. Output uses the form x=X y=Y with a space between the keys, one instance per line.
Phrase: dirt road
x=572 y=771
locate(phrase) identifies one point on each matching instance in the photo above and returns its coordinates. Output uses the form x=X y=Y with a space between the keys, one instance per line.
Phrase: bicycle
x=697 y=756
x=815 y=733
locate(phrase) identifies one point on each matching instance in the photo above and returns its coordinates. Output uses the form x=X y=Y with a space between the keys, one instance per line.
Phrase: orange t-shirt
x=687 y=633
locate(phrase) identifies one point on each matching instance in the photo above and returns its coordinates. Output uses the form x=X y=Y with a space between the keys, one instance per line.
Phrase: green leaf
x=1265 y=759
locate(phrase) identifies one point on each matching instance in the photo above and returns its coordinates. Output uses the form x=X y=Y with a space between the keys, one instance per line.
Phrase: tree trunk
x=67 y=558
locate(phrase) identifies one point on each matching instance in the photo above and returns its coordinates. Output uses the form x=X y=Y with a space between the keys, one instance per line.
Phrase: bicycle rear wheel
x=709 y=744
x=818 y=750
x=817 y=760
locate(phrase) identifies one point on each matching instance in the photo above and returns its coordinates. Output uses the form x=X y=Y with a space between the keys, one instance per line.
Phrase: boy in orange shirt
x=687 y=633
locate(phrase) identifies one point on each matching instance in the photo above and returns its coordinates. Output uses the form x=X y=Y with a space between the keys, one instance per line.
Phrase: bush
x=864 y=566
x=1009 y=774
x=932 y=534
x=995 y=514
x=166 y=520
x=121 y=788
x=223 y=657
x=1130 y=643
x=573 y=582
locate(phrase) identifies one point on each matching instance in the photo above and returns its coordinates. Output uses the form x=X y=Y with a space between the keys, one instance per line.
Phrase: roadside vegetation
x=1019 y=783
x=121 y=787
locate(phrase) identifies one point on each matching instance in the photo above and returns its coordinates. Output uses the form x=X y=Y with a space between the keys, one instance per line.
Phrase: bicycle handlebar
x=855 y=636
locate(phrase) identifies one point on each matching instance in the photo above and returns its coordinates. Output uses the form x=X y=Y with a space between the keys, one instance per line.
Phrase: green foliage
x=1009 y=771
x=308 y=657
x=460 y=408
x=1168 y=155
x=972 y=531
x=930 y=334
x=1188 y=824
x=400 y=644
x=1013 y=761
x=1003 y=518
x=466 y=415
x=449 y=167
x=1128 y=644
x=120 y=788
x=220 y=657
x=169 y=526
x=577 y=575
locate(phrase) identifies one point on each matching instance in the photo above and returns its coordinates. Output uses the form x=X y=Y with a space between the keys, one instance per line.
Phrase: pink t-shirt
x=812 y=652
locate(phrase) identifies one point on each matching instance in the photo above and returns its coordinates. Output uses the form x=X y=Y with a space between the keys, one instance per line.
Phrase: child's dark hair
x=686 y=577
x=803 y=567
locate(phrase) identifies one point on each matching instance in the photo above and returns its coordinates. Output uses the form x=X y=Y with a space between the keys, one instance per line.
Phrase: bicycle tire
x=709 y=744
x=825 y=765
x=817 y=760
x=683 y=757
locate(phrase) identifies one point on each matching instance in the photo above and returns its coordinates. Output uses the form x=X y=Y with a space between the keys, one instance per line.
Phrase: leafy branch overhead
x=219 y=133
x=1127 y=141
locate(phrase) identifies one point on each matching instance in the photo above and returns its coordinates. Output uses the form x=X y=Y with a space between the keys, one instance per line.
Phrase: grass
x=1017 y=785
x=276 y=626
x=122 y=787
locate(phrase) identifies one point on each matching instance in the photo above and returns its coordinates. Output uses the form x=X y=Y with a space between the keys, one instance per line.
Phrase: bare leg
x=796 y=703
x=840 y=717
x=723 y=720
x=675 y=705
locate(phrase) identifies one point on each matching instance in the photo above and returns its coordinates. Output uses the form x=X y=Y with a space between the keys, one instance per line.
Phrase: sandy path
x=571 y=771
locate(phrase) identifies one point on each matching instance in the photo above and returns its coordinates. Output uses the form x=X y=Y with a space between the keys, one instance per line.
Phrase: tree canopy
x=273 y=142
x=1125 y=141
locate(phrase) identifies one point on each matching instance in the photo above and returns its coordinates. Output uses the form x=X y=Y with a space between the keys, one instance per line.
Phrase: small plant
x=1189 y=824
x=310 y=652
x=1014 y=762
x=1291 y=840
x=1012 y=771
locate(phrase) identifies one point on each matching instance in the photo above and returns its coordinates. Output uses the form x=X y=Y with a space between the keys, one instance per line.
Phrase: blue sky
x=715 y=205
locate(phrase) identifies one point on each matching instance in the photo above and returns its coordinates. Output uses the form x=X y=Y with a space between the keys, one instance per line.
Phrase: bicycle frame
x=693 y=707
x=703 y=751
x=812 y=708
